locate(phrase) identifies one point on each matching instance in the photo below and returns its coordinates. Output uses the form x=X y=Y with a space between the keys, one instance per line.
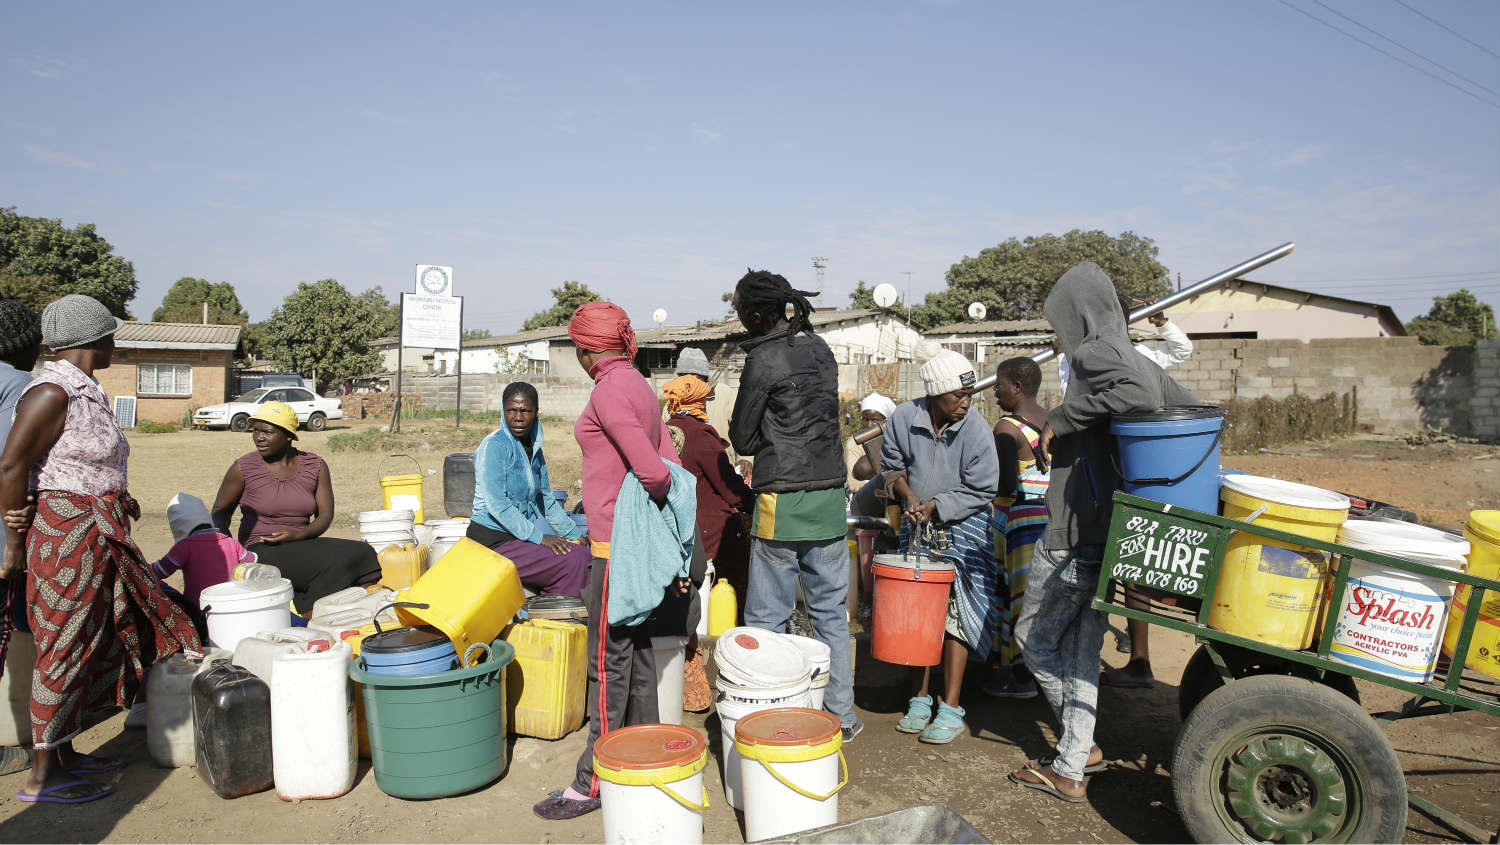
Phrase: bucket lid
x=232 y=593
x=1402 y=539
x=404 y=639
x=755 y=656
x=1173 y=413
x=402 y=515
x=922 y=562
x=818 y=653
x=556 y=607
x=1285 y=492
x=1485 y=525
x=784 y=726
x=650 y=747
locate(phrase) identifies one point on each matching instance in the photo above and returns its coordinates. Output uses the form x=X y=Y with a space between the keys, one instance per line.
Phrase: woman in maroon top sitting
x=285 y=497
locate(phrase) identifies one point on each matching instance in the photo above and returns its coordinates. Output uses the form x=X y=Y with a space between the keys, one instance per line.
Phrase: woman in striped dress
x=1020 y=513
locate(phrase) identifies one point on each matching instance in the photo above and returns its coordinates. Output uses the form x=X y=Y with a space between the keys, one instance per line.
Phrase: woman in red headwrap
x=619 y=431
x=722 y=493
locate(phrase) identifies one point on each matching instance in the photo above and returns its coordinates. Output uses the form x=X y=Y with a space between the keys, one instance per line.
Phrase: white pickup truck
x=313 y=411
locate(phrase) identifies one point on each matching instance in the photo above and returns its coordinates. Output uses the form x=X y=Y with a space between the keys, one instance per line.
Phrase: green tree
x=1458 y=319
x=253 y=341
x=1013 y=278
x=476 y=334
x=566 y=300
x=184 y=303
x=42 y=260
x=323 y=328
x=389 y=312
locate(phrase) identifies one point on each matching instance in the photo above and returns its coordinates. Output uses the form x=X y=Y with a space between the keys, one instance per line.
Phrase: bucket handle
x=488 y=654
x=1218 y=435
x=400 y=455
x=698 y=808
x=384 y=608
x=843 y=779
x=1254 y=515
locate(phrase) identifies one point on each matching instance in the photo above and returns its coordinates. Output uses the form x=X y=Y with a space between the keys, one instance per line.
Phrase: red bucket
x=911 y=604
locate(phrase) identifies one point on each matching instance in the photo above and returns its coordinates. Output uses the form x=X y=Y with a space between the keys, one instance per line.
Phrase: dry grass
x=195 y=462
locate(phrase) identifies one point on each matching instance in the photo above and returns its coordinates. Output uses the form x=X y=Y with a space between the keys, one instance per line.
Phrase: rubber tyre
x=240 y=423
x=317 y=422
x=1313 y=731
x=1200 y=679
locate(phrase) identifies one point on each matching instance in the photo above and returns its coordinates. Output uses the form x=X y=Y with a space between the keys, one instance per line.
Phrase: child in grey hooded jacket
x=1060 y=635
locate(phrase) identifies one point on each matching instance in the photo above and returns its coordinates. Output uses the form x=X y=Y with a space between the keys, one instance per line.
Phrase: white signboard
x=432 y=321
x=434 y=280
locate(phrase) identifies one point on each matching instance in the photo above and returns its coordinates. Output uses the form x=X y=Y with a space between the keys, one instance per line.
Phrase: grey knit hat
x=20 y=328
x=76 y=320
x=692 y=362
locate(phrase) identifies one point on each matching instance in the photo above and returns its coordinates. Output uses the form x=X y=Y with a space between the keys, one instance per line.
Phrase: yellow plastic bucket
x=546 y=685
x=403 y=492
x=1270 y=591
x=791 y=770
x=471 y=594
x=651 y=783
x=1483 y=533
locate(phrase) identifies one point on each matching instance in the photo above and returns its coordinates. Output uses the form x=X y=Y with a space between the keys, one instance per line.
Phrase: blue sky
x=654 y=150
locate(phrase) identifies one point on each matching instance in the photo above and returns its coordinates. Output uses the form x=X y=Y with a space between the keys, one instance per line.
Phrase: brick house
x=171 y=368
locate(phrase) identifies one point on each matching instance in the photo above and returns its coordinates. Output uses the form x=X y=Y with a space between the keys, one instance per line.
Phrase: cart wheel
x=1279 y=759
x=1200 y=678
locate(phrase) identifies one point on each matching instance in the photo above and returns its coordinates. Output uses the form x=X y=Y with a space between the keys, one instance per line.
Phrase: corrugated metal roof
x=137 y=334
x=991 y=327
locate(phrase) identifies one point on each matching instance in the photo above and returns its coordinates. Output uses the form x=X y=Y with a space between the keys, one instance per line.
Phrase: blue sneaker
x=945 y=726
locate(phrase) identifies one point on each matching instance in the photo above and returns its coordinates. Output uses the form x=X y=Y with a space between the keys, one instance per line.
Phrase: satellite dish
x=885 y=295
x=977 y=311
x=659 y=315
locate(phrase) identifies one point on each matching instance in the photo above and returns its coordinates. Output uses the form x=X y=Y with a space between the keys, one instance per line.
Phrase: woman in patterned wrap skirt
x=99 y=616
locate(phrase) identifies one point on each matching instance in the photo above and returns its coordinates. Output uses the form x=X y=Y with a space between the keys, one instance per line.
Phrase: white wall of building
x=521 y=358
x=871 y=341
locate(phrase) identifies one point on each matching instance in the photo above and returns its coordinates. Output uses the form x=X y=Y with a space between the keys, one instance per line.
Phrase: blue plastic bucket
x=581 y=520
x=409 y=650
x=1172 y=455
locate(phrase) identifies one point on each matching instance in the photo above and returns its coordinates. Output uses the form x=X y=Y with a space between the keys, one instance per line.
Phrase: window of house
x=164 y=379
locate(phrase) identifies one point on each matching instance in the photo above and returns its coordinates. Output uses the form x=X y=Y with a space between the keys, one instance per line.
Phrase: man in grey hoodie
x=1060 y=635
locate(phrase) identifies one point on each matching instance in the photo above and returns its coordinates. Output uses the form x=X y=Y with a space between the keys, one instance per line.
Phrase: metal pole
x=1143 y=312
x=400 y=346
x=458 y=391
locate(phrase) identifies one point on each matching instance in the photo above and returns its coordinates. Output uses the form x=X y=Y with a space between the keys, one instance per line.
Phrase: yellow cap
x=279 y=414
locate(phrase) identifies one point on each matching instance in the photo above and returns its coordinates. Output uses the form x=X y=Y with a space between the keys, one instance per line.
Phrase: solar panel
x=125 y=411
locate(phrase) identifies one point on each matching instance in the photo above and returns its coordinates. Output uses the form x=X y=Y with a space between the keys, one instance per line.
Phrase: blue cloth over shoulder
x=649 y=545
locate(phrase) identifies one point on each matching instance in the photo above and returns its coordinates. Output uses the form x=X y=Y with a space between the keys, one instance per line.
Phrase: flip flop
x=1046 y=785
x=14 y=759
x=1089 y=769
x=47 y=796
x=92 y=765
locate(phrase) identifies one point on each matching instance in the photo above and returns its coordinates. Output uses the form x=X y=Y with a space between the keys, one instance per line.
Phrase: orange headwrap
x=686 y=395
x=602 y=326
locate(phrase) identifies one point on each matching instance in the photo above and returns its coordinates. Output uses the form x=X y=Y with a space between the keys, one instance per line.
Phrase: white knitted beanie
x=947 y=372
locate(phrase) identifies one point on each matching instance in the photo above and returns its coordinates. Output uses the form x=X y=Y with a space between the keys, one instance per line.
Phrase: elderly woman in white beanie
x=940 y=463
x=100 y=617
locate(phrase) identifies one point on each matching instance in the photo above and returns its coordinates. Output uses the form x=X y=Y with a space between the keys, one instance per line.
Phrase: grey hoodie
x=1108 y=378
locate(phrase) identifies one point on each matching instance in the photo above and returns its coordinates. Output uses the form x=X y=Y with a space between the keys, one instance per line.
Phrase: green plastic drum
x=437 y=735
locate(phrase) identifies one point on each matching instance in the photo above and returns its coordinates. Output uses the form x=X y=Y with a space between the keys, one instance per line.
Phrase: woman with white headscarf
x=864 y=461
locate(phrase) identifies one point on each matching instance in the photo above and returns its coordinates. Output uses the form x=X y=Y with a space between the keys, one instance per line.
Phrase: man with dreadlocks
x=787 y=416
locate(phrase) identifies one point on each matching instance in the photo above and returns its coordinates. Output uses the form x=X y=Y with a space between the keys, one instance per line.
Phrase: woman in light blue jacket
x=515 y=512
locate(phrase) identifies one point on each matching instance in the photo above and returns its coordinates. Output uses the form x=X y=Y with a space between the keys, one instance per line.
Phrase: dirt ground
x=1454 y=759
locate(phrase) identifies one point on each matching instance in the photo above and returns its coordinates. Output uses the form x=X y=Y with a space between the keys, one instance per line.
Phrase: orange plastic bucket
x=911 y=605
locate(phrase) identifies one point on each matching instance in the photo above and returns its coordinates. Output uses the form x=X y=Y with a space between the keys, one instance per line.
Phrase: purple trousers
x=547 y=572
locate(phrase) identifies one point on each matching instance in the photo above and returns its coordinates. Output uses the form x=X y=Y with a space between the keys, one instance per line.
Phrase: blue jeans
x=823 y=568
x=1060 y=637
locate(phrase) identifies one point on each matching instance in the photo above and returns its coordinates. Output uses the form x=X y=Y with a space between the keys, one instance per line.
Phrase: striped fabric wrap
x=1017 y=529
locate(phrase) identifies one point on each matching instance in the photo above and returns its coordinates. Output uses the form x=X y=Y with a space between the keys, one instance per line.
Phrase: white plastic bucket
x=793 y=783
x=669 y=660
x=819 y=658
x=778 y=695
x=730 y=713
x=235 y=613
x=397 y=516
x=313 y=748
x=1392 y=621
x=657 y=795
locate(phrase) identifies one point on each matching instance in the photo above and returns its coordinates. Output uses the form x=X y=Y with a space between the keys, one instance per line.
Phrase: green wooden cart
x=1274 y=746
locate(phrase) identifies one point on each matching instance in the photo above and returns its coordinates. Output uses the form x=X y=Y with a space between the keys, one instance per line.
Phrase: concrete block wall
x=1484 y=402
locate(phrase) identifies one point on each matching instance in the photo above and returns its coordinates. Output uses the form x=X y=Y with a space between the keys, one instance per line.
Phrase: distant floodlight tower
x=819 y=265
